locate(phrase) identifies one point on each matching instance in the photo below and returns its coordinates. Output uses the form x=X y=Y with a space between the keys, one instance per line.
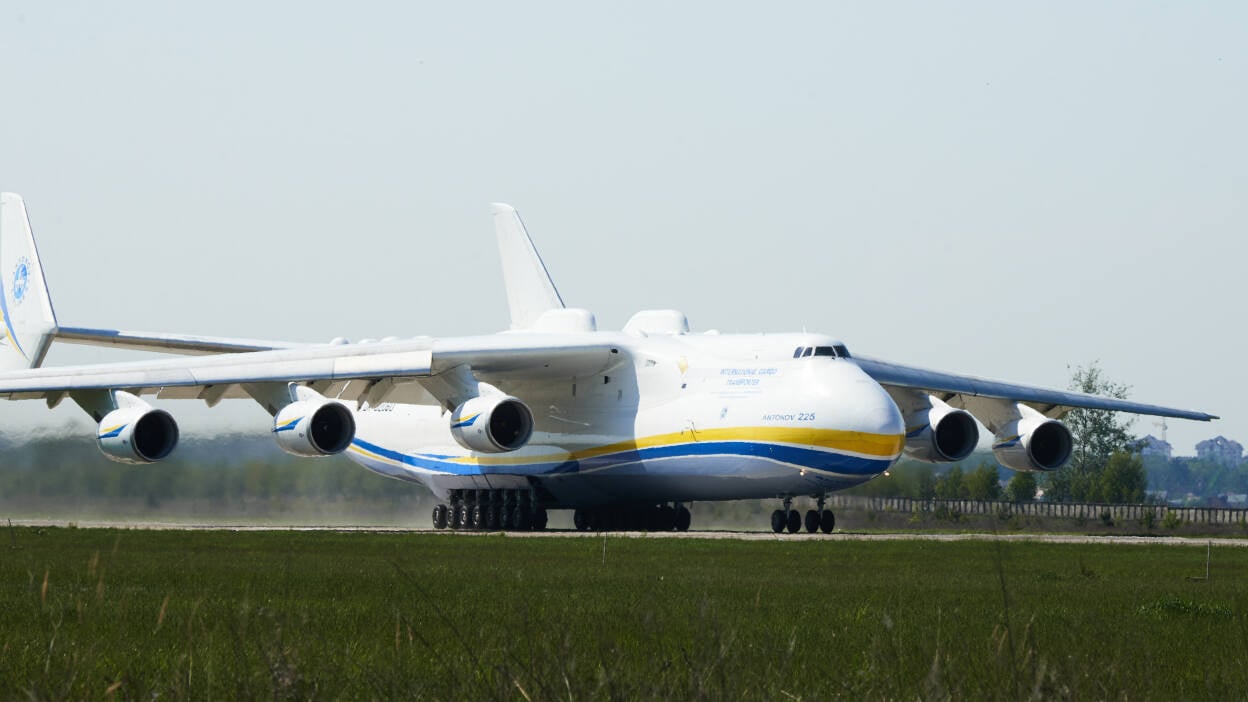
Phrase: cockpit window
x=837 y=351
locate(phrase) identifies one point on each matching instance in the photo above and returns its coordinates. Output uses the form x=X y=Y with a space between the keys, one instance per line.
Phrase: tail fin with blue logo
x=28 y=322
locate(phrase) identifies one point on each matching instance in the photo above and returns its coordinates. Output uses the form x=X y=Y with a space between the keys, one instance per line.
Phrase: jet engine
x=492 y=424
x=946 y=434
x=137 y=434
x=314 y=427
x=1033 y=443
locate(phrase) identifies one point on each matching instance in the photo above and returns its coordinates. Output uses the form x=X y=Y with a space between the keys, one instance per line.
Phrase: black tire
x=521 y=519
x=504 y=518
x=827 y=522
x=795 y=521
x=667 y=518
x=539 y=519
x=636 y=519
x=778 y=521
x=478 y=517
x=580 y=520
x=812 y=521
x=683 y=519
x=456 y=515
x=492 y=517
x=439 y=517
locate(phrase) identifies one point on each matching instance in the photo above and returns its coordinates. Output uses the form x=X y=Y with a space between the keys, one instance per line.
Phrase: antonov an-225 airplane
x=626 y=428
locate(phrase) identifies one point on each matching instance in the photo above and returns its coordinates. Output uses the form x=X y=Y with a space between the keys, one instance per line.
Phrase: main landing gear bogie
x=491 y=510
x=790 y=520
x=663 y=517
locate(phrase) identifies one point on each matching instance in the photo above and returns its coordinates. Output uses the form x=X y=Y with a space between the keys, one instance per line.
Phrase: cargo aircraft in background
x=626 y=427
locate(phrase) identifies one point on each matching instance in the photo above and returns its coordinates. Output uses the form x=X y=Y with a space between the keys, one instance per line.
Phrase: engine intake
x=312 y=428
x=944 y=435
x=492 y=424
x=1033 y=443
x=137 y=435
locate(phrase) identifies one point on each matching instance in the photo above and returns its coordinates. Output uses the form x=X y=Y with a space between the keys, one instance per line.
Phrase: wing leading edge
x=1051 y=403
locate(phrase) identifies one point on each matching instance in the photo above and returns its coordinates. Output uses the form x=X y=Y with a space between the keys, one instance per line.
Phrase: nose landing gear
x=819 y=519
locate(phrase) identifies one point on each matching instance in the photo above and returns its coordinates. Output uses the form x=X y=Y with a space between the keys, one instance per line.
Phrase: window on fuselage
x=806 y=352
x=824 y=351
x=842 y=351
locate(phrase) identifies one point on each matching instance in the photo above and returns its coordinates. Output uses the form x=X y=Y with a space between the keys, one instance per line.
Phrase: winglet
x=530 y=291
x=27 y=322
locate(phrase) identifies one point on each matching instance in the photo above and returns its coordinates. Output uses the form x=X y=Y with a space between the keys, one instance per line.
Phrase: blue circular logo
x=21 y=280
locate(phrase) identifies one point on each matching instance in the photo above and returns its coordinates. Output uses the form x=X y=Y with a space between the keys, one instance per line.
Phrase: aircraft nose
x=860 y=404
x=879 y=413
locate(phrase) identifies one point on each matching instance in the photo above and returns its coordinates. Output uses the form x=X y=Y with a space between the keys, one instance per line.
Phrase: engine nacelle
x=492 y=424
x=1033 y=443
x=313 y=428
x=137 y=434
x=945 y=434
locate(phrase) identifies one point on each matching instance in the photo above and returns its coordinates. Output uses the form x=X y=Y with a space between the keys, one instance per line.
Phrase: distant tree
x=1096 y=435
x=912 y=479
x=983 y=483
x=1122 y=479
x=1021 y=488
x=951 y=485
x=927 y=484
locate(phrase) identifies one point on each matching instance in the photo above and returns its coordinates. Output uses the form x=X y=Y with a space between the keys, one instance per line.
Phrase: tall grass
x=108 y=614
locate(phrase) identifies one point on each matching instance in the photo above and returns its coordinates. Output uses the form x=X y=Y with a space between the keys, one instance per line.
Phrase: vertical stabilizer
x=530 y=292
x=28 y=323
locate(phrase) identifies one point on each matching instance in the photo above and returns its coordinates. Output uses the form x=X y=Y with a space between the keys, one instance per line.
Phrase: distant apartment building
x=1152 y=446
x=1220 y=450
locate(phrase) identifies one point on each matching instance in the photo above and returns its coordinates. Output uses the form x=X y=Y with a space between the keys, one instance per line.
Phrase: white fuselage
x=679 y=417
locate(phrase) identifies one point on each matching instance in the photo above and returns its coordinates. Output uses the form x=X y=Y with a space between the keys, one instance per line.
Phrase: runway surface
x=713 y=535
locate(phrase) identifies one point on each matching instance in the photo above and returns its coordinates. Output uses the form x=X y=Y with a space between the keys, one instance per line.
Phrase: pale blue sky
x=995 y=188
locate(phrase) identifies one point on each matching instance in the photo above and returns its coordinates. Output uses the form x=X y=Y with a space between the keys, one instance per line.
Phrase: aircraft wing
x=165 y=343
x=422 y=370
x=960 y=390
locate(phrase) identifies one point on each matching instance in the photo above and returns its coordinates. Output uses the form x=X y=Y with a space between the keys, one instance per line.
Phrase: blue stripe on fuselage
x=628 y=460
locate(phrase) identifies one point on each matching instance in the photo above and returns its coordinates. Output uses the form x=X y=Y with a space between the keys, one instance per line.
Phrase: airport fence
x=1067 y=510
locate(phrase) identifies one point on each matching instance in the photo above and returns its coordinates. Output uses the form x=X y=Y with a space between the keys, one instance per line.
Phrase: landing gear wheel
x=521 y=519
x=539 y=519
x=439 y=517
x=778 y=521
x=478 y=517
x=683 y=519
x=457 y=516
x=491 y=517
x=667 y=518
x=795 y=521
x=812 y=521
x=504 y=518
x=580 y=520
x=827 y=522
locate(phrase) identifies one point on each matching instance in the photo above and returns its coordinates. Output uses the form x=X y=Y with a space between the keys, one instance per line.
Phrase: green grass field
x=120 y=614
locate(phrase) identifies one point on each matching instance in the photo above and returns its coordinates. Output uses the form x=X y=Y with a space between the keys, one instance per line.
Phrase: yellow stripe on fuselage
x=885 y=446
